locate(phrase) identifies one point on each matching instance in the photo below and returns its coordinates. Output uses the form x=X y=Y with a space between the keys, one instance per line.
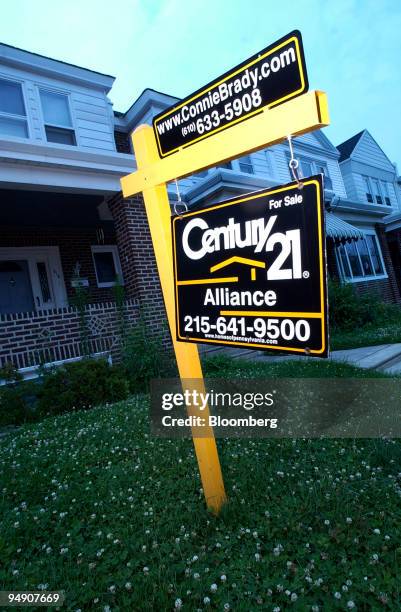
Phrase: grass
x=91 y=504
x=369 y=336
x=224 y=367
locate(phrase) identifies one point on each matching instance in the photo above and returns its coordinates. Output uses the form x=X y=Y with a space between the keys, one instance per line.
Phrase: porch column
x=138 y=262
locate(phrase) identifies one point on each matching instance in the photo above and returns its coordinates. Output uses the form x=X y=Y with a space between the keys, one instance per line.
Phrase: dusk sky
x=352 y=48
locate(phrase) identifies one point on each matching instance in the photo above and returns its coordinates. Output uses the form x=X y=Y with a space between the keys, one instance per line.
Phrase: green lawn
x=93 y=505
x=368 y=336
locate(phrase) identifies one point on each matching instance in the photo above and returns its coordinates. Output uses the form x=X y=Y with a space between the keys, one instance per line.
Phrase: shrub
x=144 y=356
x=349 y=310
x=81 y=385
x=18 y=399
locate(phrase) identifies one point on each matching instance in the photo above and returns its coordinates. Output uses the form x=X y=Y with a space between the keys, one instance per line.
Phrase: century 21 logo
x=255 y=232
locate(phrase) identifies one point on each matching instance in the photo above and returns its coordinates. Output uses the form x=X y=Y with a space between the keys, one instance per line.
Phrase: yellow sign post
x=271 y=126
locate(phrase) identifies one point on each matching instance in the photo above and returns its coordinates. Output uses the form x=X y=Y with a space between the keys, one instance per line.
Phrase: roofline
x=48 y=67
x=2 y=44
x=160 y=93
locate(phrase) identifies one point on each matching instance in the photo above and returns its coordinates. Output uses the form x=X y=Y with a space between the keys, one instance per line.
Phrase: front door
x=31 y=278
x=15 y=287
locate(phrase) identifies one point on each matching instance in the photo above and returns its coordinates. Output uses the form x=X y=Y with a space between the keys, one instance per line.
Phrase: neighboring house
x=64 y=223
x=373 y=201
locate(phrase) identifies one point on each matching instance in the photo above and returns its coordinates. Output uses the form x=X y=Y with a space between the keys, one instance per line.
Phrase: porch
x=53 y=245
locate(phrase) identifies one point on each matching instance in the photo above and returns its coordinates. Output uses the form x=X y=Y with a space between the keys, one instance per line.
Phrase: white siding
x=349 y=180
x=90 y=110
x=368 y=152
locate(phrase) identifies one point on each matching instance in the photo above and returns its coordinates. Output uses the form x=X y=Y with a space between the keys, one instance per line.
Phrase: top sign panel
x=269 y=78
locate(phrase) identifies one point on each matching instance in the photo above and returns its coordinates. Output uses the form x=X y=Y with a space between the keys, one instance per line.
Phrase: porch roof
x=340 y=230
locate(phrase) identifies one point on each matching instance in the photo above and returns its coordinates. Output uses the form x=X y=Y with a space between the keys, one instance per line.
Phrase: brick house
x=64 y=223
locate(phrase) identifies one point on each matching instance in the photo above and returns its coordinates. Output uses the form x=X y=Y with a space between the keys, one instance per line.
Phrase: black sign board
x=271 y=77
x=251 y=271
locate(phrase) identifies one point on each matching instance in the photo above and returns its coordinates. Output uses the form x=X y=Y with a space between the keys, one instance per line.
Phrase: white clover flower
x=337 y=595
x=145 y=570
x=178 y=604
x=206 y=600
x=112 y=588
x=128 y=586
x=257 y=557
x=315 y=608
x=223 y=577
x=350 y=604
x=294 y=597
x=213 y=587
x=226 y=607
x=348 y=520
x=376 y=531
x=327 y=522
x=196 y=575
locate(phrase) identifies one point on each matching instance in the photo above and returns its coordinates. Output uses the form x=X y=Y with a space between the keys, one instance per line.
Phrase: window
x=57 y=118
x=321 y=168
x=107 y=265
x=368 y=190
x=226 y=166
x=360 y=259
x=308 y=167
x=377 y=192
x=245 y=164
x=12 y=110
x=386 y=193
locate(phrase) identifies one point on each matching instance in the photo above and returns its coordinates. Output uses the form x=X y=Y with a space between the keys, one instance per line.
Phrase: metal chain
x=294 y=164
x=179 y=202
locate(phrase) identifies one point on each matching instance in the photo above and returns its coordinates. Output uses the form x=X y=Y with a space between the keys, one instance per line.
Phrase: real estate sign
x=273 y=76
x=251 y=271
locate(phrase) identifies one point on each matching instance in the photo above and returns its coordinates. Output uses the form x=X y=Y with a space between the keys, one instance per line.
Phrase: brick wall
x=27 y=339
x=74 y=245
x=137 y=259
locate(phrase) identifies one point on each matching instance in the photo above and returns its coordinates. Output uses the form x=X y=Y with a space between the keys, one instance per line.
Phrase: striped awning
x=339 y=230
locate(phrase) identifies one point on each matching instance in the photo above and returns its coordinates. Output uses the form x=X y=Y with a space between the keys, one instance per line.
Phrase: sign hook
x=179 y=202
x=293 y=164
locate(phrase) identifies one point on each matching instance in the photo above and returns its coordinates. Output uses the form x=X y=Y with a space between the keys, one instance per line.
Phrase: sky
x=352 y=48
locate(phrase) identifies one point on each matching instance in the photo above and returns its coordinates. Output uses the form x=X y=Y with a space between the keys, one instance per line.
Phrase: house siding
x=89 y=108
x=369 y=153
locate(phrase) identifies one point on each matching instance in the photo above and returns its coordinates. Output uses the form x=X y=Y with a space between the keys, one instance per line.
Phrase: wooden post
x=159 y=217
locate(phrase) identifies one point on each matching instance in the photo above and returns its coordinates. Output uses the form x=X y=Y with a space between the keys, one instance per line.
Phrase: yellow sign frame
x=271 y=126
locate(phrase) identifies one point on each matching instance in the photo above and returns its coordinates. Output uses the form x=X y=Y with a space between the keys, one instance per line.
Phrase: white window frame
x=385 y=192
x=246 y=160
x=6 y=77
x=358 y=279
x=383 y=187
x=107 y=248
x=51 y=257
x=72 y=128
